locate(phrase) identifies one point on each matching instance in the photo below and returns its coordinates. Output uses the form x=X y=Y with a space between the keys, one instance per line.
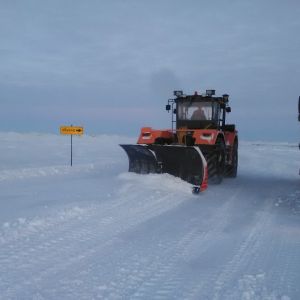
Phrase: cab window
x=196 y=111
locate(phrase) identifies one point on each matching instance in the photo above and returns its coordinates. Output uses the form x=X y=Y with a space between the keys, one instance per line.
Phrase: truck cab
x=201 y=111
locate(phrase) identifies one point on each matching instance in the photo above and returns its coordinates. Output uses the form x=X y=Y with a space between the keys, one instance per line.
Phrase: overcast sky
x=111 y=65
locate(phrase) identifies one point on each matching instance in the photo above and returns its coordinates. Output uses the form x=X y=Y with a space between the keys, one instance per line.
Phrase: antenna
x=170 y=106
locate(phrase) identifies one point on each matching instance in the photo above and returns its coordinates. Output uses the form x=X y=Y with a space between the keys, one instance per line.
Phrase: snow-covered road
x=94 y=231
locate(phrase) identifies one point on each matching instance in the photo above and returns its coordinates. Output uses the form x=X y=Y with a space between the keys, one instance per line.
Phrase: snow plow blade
x=141 y=159
x=187 y=163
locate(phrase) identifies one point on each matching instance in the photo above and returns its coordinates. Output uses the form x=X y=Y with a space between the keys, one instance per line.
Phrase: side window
x=207 y=110
x=182 y=112
x=216 y=112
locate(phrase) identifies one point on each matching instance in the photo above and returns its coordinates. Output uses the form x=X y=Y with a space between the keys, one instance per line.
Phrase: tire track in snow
x=160 y=277
x=64 y=246
x=253 y=252
x=284 y=275
x=245 y=254
x=154 y=273
x=201 y=284
x=71 y=243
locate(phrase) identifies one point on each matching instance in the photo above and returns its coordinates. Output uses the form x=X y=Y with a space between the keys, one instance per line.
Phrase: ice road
x=94 y=231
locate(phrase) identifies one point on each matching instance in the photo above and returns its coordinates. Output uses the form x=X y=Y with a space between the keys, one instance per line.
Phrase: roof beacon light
x=178 y=93
x=210 y=93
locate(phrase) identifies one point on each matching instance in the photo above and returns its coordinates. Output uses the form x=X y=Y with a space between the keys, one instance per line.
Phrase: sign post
x=71 y=130
x=71 y=150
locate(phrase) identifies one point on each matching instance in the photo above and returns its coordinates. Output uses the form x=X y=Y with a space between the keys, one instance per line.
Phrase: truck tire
x=231 y=170
x=216 y=162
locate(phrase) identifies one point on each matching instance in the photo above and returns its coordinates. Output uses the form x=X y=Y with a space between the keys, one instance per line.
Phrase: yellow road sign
x=71 y=130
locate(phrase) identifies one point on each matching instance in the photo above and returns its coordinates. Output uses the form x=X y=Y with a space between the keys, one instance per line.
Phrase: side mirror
x=228 y=109
x=168 y=107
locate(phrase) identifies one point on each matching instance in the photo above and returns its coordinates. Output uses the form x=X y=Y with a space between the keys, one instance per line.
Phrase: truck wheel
x=216 y=163
x=231 y=170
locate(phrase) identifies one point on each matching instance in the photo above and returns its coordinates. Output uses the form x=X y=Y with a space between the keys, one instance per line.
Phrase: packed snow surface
x=94 y=231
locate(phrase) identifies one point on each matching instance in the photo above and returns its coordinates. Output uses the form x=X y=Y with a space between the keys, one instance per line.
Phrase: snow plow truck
x=200 y=148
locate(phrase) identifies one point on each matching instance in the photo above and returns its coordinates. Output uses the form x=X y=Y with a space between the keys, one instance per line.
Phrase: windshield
x=195 y=111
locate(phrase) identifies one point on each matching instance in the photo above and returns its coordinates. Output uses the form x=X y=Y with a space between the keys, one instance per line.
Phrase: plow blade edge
x=185 y=162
